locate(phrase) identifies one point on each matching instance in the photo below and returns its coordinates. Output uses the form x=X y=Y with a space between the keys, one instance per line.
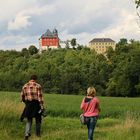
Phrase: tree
x=123 y=41
x=79 y=47
x=137 y=3
x=125 y=77
x=122 y=46
x=73 y=42
x=33 y=50
x=69 y=71
x=25 y=52
x=67 y=44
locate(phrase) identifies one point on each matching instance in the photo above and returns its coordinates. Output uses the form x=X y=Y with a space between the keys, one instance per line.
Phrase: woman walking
x=91 y=108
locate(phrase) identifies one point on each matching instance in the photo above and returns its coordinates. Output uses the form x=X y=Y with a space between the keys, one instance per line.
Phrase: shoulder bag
x=83 y=119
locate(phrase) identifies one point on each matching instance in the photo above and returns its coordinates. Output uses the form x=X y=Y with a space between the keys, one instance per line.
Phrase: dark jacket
x=31 y=109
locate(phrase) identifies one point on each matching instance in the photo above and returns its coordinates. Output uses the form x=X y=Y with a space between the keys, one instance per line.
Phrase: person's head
x=91 y=91
x=33 y=77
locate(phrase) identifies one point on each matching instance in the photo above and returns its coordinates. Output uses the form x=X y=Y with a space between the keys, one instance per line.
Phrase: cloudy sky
x=22 y=22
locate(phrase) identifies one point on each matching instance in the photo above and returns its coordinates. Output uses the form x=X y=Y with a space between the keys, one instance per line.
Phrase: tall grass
x=69 y=105
x=62 y=123
x=128 y=128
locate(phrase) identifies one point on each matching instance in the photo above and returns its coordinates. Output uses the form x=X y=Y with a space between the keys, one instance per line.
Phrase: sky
x=22 y=22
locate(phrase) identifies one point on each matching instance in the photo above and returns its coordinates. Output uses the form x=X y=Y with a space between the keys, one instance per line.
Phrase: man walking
x=31 y=95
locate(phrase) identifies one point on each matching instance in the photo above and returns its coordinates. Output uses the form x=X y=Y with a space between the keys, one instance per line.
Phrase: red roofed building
x=49 y=40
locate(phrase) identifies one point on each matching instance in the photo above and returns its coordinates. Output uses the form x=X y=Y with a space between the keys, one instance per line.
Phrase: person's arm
x=40 y=98
x=82 y=104
x=22 y=95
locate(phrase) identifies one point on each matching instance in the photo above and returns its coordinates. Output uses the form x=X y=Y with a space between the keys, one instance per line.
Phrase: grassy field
x=119 y=119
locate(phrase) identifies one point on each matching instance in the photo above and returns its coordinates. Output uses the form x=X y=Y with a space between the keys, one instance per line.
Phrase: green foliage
x=73 y=42
x=71 y=71
x=137 y=3
x=25 y=52
x=32 y=50
x=69 y=105
x=126 y=71
x=67 y=46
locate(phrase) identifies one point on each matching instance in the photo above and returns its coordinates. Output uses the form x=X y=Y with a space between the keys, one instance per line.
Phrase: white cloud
x=20 y=21
x=22 y=18
x=23 y=21
x=123 y=27
x=126 y=27
x=18 y=42
x=9 y=8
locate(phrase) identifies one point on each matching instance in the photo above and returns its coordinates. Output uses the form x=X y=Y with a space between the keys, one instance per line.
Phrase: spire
x=55 y=32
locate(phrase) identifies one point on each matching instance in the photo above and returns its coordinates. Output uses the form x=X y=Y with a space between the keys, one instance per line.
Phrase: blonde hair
x=91 y=91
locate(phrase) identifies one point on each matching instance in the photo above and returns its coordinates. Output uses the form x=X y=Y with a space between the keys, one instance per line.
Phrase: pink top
x=93 y=108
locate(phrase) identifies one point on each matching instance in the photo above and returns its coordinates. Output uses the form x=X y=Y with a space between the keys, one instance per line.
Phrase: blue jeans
x=91 y=123
x=29 y=125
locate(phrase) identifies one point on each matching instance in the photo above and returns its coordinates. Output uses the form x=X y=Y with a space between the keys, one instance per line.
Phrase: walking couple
x=31 y=95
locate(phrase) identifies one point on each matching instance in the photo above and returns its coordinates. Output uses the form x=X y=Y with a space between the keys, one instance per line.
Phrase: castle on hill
x=49 y=40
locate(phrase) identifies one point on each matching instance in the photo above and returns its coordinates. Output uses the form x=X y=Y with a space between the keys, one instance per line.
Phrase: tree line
x=72 y=70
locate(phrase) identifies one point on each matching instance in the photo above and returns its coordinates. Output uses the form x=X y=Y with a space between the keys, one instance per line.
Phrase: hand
x=42 y=107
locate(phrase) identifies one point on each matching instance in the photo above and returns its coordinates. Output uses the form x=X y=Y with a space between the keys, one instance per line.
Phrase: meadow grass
x=69 y=105
x=62 y=122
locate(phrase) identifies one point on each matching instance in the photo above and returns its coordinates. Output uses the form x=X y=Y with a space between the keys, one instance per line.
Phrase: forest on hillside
x=72 y=70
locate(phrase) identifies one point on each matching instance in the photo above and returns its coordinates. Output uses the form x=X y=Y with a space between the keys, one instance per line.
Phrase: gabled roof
x=101 y=40
x=49 y=34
